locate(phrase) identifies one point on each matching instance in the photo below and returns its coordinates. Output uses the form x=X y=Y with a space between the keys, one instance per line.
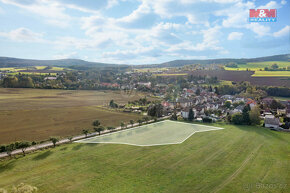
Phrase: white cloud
x=23 y=35
x=270 y=5
x=259 y=29
x=283 y=32
x=235 y=36
x=283 y=2
x=52 y=11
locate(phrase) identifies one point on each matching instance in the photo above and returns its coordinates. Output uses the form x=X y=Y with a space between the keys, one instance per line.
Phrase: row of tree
x=97 y=127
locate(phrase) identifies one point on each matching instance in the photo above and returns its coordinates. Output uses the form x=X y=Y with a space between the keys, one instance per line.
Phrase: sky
x=141 y=31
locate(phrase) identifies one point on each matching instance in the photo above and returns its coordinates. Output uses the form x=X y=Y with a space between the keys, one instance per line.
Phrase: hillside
x=17 y=62
x=177 y=63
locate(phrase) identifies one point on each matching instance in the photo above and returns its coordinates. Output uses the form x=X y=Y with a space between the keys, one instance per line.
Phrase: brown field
x=238 y=76
x=37 y=114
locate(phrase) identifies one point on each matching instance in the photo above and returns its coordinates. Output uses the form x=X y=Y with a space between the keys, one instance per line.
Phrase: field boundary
x=107 y=134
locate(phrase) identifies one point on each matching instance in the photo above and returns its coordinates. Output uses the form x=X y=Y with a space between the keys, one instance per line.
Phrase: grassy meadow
x=236 y=159
x=37 y=114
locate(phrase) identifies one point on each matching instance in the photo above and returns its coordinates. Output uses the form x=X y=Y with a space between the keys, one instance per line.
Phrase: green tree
x=99 y=129
x=275 y=66
x=132 y=122
x=197 y=92
x=276 y=105
x=237 y=119
x=228 y=104
x=85 y=132
x=96 y=123
x=10 y=148
x=113 y=104
x=54 y=140
x=217 y=91
x=190 y=115
x=246 y=116
x=255 y=116
x=122 y=125
x=140 y=121
x=155 y=110
x=23 y=145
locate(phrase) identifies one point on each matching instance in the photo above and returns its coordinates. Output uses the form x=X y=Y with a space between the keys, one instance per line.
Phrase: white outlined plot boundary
x=189 y=132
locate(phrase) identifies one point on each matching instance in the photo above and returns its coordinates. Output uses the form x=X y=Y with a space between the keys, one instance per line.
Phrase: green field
x=256 y=66
x=37 y=114
x=160 y=133
x=272 y=74
x=236 y=159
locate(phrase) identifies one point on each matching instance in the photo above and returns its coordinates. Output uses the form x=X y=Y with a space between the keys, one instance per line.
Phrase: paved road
x=50 y=144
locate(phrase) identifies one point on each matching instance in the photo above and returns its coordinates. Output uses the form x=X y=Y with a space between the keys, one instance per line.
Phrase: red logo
x=263 y=15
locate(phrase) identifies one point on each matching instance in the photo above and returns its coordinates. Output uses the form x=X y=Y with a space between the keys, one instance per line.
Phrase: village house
x=251 y=103
x=185 y=113
x=50 y=78
x=272 y=122
x=238 y=109
x=146 y=84
x=183 y=102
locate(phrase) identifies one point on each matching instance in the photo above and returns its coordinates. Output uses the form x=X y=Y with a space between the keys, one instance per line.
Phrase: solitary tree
x=23 y=145
x=190 y=115
x=197 y=92
x=255 y=116
x=132 y=122
x=85 y=131
x=140 y=121
x=54 y=140
x=99 y=129
x=122 y=125
x=96 y=123
x=246 y=116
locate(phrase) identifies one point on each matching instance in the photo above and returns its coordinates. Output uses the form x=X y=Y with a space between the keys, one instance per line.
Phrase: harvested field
x=37 y=114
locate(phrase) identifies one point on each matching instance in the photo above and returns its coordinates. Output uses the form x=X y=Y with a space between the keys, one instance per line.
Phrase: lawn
x=160 y=133
x=236 y=159
x=271 y=74
x=37 y=114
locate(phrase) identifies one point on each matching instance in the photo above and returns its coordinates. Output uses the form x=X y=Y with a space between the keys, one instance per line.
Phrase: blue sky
x=140 y=31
